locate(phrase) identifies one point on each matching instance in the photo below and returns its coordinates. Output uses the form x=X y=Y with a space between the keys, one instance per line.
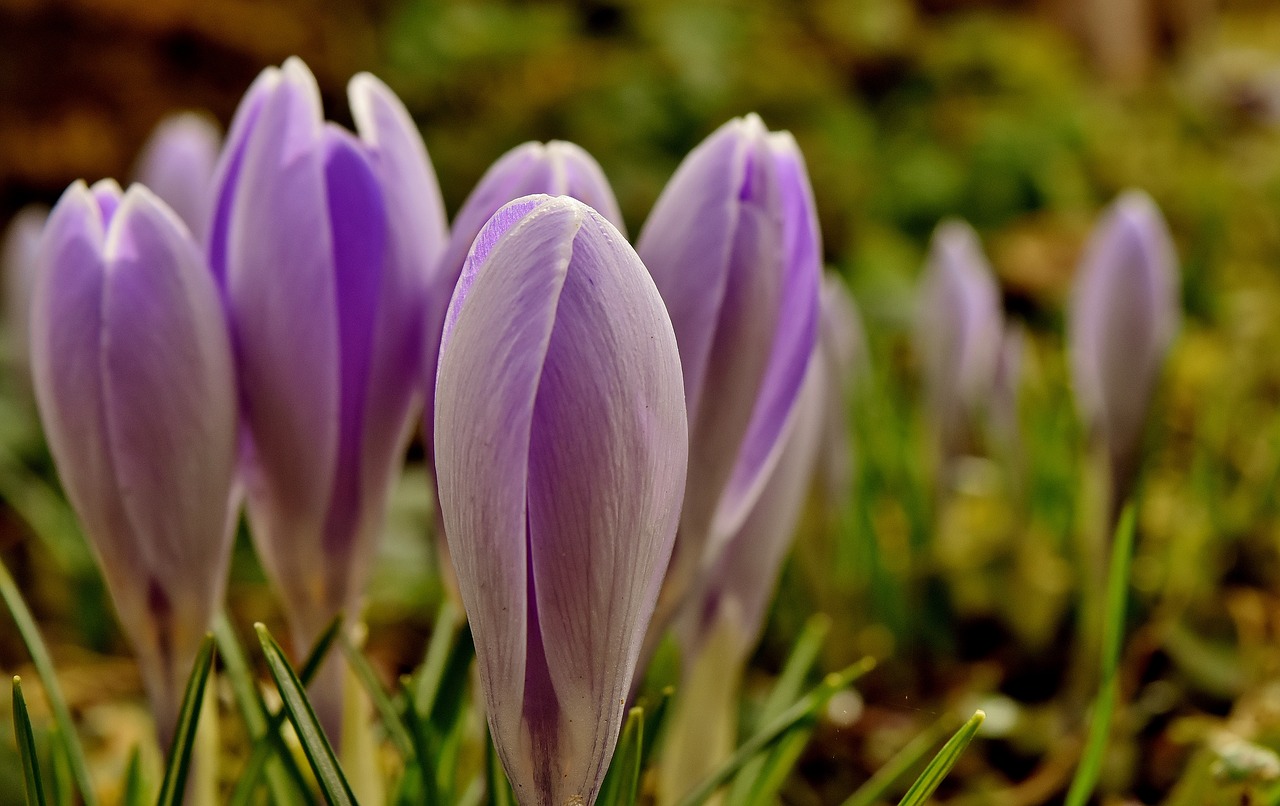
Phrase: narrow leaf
x=314 y=744
x=942 y=763
x=873 y=790
x=500 y=793
x=174 y=787
x=52 y=691
x=382 y=703
x=655 y=719
x=622 y=782
x=27 y=747
x=427 y=684
x=1086 y=776
x=805 y=709
x=134 y=788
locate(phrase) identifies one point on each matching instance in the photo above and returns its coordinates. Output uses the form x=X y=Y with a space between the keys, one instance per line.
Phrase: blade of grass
x=655 y=719
x=927 y=783
x=500 y=793
x=271 y=742
x=174 y=787
x=873 y=790
x=430 y=675
x=1086 y=776
x=254 y=713
x=798 y=713
x=314 y=744
x=52 y=691
x=27 y=747
x=381 y=702
x=622 y=782
x=785 y=691
x=777 y=766
x=133 y=792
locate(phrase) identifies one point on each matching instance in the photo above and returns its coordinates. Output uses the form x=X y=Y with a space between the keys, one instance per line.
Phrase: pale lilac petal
x=742 y=582
x=959 y=331
x=280 y=289
x=177 y=163
x=600 y=533
x=1123 y=316
x=19 y=255
x=404 y=350
x=226 y=173
x=793 y=340
x=169 y=405
x=842 y=343
x=491 y=362
x=556 y=169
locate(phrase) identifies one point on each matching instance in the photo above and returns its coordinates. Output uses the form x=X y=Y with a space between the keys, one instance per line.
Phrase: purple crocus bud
x=18 y=254
x=177 y=163
x=1006 y=389
x=561 y=450
x=958 y=332
x=323 y=243
x=135 y=384
x=734 y=248
x=1123 y=316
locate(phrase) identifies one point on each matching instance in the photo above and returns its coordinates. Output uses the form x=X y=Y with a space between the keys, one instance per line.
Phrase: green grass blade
x=621 y=783
x=52 y=691
x=927 y=783
x=254 y=713
x=271 y=744
x=381 y=702
x=500 y=793
x=439 y=650
x=27 y=747
x=776 y=767
x=804 y=654
x=655 y=719
x=174 y=787
x=314 y=744
x=61 y=783
x=1086 y=776
x=796 y=715
x=133 y=792
x=875 y=787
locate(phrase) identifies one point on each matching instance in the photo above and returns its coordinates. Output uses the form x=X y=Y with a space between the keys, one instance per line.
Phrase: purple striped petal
x=282 y=300
x=177 y=163
x=134 y=378
x=19 y=254
x=560 y=529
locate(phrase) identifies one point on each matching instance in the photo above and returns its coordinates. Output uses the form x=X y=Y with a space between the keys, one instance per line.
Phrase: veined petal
x=281 y=295
x=607 y=465
x=404 y=351
x=793 y=340
x=491 y=361
x=358 y=222
x=556 y=169
x=177 y=163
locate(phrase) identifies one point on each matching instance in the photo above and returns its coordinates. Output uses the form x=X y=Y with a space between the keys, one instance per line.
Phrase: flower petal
x=607 y=464
x=177 y=163
x=491 y=361
x=281 y=296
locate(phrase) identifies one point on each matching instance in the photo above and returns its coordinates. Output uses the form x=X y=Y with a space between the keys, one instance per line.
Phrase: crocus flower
x=1123 y=316
x=18 y=254
x=734 y=248
x=322 y=243
x=135 y=384
x=958 y=333
x=177 y=163
x=561 y=449
x=556 y=168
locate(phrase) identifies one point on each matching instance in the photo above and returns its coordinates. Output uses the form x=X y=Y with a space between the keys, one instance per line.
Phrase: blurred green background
x=1024 y=118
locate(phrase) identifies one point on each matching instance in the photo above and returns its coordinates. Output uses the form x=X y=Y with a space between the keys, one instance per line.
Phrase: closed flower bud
x=133 y=375
x=18 y=254
x=1122 y=318
x=323 y=243
x=959 y=331
x=176 y=163
x=734 y=248
x=561 y=449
